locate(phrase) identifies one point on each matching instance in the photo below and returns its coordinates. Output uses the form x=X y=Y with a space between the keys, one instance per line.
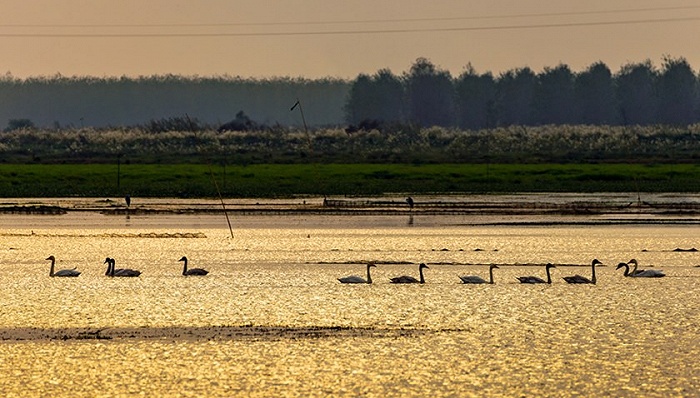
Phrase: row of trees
x=60 y=102
x=426 y=95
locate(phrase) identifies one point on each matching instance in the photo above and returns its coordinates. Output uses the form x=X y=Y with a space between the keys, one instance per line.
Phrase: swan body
x=358 y=279
x=410 y=279
x=644 y=273
x=535 y=279
x=63 y=272
x=583 y=279
x=192 y=271
x=478 y=279
x=121 y=272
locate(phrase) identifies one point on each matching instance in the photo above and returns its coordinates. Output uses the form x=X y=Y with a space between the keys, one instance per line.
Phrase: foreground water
x=272 y=320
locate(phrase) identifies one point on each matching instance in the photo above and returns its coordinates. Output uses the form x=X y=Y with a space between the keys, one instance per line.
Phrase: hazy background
x=321 y=38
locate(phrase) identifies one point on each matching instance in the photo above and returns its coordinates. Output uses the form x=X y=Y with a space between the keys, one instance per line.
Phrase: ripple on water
x=271 y=318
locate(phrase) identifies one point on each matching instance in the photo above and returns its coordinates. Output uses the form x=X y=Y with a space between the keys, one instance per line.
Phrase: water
x=272 y=320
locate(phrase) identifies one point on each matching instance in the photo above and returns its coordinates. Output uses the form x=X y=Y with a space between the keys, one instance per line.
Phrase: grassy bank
x=185 y=180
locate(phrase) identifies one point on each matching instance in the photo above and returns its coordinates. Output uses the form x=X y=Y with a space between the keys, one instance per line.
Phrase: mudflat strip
x=198 y=333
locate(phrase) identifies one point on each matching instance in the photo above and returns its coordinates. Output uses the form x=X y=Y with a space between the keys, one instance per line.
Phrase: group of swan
x=639 y=273
x=471 y=279
x=398 y=279
x=124 y=272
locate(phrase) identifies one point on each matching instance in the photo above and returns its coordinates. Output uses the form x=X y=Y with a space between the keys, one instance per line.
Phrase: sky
x=337 y=38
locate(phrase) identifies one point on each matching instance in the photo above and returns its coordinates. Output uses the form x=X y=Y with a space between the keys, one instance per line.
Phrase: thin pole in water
x=222 y=200
x=303 y=119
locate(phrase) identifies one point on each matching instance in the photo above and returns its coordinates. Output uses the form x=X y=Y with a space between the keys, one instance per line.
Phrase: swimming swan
x=358 y=279
x=478 y=279
x=192 y=271
x=121 y=272
x=63 y=272
x=534 y=279
x=583 y=279
x=410 y=279
x=644 y=273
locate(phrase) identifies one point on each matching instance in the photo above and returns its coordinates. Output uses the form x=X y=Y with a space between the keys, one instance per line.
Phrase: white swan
x=121 y=272
x=358 y=279
x=478 y=279
x=583 y=279
x=644 y=273
x=192 y=271
x=534 y=279
x=410 y=279
x=63 y=272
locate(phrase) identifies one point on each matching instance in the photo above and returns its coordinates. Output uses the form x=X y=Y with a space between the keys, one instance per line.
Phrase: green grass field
x=278 y=180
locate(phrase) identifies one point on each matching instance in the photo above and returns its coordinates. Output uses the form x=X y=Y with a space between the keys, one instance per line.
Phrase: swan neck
x=491 y=276
x=420 y=272
x=593 y=273
x=184 y=268
x=549 y=277
x=369 y=277
x=53 y=263
x=113 y=265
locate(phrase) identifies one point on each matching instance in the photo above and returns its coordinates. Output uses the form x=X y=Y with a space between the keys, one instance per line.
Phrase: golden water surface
x=272 y=320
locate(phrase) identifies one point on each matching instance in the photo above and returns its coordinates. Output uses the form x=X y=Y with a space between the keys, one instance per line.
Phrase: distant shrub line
x=401 y=144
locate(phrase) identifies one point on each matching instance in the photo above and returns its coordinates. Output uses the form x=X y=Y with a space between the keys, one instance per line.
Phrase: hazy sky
x=320 y=38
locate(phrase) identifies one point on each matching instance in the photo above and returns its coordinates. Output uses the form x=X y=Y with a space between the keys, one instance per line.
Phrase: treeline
x=59 y=102
x=424 y=96
x=638 y=94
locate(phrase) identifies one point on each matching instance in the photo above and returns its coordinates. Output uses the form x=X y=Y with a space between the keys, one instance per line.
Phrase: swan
x=358 y=279
x=534 y=279
x=192 y=271
x=121 y=272
x=478 y=279
x=63 y=272
x=625 y=266
x=583 y=279
x=410 y=279
x=644 y=273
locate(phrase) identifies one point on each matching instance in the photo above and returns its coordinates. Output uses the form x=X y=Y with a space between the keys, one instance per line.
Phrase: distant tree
x=514 y=97
x=430 y=94
x=677 y=92
x=378 y=97
x=241 y=123
x=19 y=124
x=475 y=99
x=554 y=96
x=358 y=106
x=595 y=96
x=635 y=93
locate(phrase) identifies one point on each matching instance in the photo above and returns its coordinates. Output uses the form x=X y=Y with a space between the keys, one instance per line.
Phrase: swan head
x=107 y=261
x=52 y=258
x=368 y=265
x=550 y=265
x=621 y=265
x=183 y=259
x=633 y=261
x=596 y=262
x=423 y=265
x=493 y=266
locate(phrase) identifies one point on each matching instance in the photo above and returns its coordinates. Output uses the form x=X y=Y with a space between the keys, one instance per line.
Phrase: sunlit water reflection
x=276 y=280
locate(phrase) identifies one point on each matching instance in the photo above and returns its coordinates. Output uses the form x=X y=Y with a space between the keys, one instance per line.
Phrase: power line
x=361 y=21
x=350 y=32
